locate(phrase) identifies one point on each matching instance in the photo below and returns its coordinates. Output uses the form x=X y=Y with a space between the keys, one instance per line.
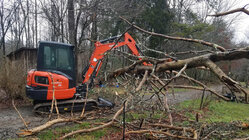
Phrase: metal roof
x=57 y=43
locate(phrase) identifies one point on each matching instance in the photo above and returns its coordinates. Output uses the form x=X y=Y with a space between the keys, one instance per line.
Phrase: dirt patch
x=7 y=133
x=11 y=123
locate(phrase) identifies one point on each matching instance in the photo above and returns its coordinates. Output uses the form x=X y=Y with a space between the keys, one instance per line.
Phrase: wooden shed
x=24 y=56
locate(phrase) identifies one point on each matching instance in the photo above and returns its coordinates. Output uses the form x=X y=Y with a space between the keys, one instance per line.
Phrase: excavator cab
x=55 y=72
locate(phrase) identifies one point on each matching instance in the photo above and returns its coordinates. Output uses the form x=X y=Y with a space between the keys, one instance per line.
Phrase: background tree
x=81 y=23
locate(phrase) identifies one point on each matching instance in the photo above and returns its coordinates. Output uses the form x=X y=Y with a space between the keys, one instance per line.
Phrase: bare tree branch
x=143 y=81
x=231 y=12
x=213 y=45
x=203 y=85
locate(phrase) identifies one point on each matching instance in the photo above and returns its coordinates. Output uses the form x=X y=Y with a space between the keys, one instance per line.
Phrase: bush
x=12 y=79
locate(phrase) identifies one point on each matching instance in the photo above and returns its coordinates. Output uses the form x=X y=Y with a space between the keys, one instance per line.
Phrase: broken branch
x=24 y=122
x=143 y=81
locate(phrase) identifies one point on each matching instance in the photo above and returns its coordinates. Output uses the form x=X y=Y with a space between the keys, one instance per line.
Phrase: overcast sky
x=241 y=24
x=238 y=23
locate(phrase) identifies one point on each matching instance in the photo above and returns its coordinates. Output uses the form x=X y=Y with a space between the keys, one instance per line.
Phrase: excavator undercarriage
x=72 y=105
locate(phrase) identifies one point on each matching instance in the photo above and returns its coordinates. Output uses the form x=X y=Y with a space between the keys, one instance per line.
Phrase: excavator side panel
x=41 y=87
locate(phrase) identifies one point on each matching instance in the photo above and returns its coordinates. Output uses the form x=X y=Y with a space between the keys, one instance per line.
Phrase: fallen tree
x=177 y=65
x=206 y=60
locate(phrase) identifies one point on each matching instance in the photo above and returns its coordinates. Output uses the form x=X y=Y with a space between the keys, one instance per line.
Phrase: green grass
x=131 y=116
x=243 y=83
x=229 y=111
x=218 y=111
x=179 y=90
x=60 y=131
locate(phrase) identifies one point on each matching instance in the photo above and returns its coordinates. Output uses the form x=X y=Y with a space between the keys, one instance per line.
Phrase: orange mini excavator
x=55 y=75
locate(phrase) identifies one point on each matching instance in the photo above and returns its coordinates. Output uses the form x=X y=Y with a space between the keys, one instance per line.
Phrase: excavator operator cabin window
x=57 y=58
x=47 y=57
x=63 y=59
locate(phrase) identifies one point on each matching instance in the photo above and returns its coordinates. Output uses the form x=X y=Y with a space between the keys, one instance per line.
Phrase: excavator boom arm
x=98 y=54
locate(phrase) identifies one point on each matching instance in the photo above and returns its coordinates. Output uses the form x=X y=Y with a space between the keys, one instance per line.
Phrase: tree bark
x=72 y=32
x=71 y=24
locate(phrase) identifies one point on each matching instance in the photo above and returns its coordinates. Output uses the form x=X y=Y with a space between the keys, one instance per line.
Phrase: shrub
x=12 y=79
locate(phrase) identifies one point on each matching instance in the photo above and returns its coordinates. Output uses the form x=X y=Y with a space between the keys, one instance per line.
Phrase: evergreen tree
x=158 y=18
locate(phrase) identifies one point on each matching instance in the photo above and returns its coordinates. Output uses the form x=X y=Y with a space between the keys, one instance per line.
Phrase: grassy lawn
x=218 y=111
x=223 y=118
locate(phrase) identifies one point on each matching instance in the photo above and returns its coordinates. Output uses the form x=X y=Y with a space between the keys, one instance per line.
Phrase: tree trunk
x=36 y=27
x=72 y=32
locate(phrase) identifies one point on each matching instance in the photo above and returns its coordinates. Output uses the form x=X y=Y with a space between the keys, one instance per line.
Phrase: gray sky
x=237 y=22
x=241 y=24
